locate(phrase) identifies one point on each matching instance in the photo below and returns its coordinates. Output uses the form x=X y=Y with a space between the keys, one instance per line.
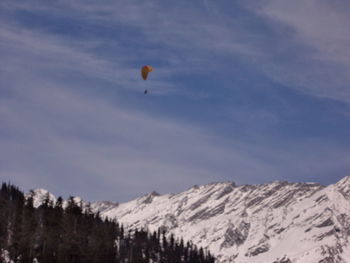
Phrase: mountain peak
x=344 y=180
x=247 y=223
x=250 y=223
x=39 y=195
x=147 y=198
x=214 y=184
x=343 y=187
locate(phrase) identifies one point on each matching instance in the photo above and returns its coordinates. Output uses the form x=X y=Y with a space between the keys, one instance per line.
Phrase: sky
x=243 y=91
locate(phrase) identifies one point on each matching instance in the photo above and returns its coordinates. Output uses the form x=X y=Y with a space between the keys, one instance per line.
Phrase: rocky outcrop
x=279 y=222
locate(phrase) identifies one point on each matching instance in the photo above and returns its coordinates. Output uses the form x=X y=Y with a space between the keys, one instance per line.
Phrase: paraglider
x=144 y=73
x=145 y=70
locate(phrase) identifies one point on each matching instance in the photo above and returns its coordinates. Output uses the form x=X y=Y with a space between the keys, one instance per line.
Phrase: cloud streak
x=318 y=38
x=56 y=135
x=73 y=120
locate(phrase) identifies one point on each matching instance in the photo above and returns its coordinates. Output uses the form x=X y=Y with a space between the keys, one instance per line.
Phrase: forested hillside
x=56 y=234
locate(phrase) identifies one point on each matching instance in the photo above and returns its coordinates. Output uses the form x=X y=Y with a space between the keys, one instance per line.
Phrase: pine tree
x=53 y=234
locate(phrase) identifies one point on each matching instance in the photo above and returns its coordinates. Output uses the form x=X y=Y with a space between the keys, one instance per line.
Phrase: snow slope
x=277 y=222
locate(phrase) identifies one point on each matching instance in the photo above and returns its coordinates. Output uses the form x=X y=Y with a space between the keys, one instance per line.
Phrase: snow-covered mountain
x=40 y=195
x=276 y=222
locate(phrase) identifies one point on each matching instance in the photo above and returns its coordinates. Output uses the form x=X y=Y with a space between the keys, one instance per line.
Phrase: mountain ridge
x=250 y=223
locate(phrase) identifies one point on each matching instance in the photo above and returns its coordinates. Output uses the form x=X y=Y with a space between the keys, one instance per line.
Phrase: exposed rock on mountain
x=277 y=222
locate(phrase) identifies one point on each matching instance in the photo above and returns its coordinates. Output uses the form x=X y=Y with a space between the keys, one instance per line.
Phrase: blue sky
x=244 y=91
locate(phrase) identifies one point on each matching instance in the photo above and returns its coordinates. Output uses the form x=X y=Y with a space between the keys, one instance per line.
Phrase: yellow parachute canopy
x=145 y=70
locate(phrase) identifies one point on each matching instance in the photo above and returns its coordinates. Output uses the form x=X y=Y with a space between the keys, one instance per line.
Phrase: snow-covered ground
x=274 y=222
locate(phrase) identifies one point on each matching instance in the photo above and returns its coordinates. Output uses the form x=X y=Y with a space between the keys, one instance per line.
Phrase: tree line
x=52 y=233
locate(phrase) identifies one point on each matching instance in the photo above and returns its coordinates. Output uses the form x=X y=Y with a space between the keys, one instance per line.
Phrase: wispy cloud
x=56 y=135
x=68 y=123
x=52 y=55
x=318 y=41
